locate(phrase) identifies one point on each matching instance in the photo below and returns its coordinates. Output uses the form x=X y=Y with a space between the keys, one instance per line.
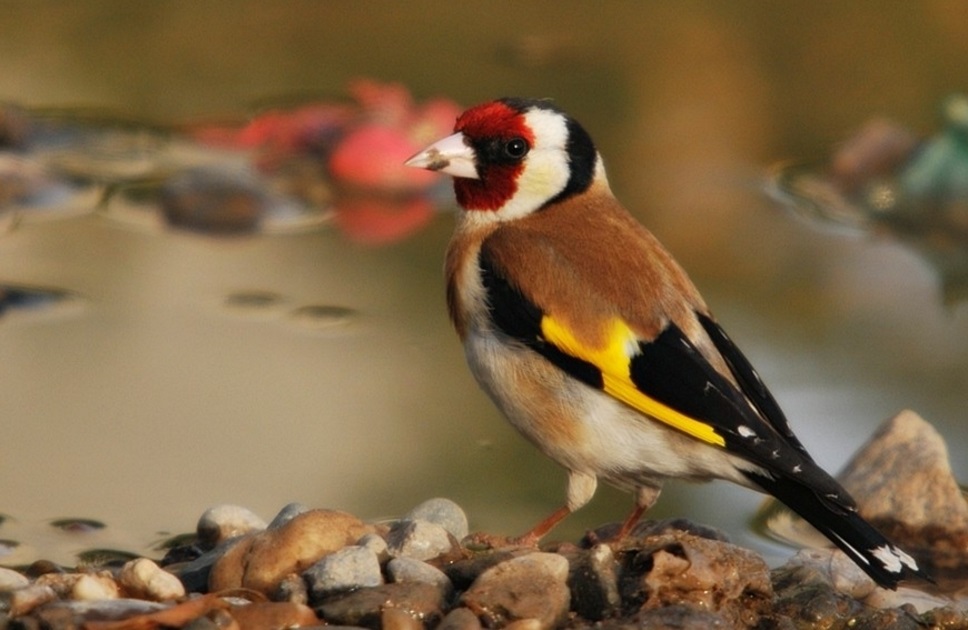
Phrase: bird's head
x=512 y=156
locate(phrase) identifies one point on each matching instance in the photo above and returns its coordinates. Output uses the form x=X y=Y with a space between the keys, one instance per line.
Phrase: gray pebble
x=194 y=575
x=377 y=544
x=421 y=540
x=412 y=570
x=221 y=522
x=346 y=569
x=286 y=514
x=443 y=512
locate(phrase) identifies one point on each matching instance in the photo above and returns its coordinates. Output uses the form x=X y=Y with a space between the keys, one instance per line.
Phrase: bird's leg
x=581 y=487
x=645 y=498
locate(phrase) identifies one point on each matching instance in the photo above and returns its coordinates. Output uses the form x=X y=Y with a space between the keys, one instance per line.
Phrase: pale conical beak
x=449 y=155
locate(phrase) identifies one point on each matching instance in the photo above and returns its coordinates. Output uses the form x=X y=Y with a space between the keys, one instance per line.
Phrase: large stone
x=903 y=475
x=680 y=568
x=261 y=560
x=532 y=586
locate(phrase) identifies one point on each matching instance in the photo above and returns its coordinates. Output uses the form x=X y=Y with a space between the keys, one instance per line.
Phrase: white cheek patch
x=546 y=169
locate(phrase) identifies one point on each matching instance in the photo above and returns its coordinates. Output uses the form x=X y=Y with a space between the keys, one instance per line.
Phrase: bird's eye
x=516 y=148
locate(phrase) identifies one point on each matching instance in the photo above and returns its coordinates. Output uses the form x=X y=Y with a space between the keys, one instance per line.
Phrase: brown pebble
x=365 y=607
x=531 y=586
x=399 y=619
x=23 y=600
x=261 y=560
x=273 y=615
x=460 y=619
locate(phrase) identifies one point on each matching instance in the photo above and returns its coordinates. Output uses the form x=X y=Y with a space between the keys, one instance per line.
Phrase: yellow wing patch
x=613 y=359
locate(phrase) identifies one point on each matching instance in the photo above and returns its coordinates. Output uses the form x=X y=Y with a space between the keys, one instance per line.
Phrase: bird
x=595 y=344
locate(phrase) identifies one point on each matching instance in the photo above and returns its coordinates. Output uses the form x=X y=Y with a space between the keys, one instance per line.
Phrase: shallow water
x=186 y=370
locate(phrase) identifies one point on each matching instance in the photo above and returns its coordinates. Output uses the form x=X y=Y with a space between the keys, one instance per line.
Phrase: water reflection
x=886 y=179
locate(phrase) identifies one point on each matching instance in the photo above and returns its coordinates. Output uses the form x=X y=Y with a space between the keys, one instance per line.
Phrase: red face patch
x=494 y=121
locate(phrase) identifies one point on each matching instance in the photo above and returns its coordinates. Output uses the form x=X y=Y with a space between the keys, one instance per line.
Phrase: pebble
x=286 y=514
x=399 y=619
x=11 y=580
x=421 y=540
x=531 y=586
x=405 y=569
x=460 y=619
x=443 y=512
x=347 y=569
x=365 y=607
x=222 y=522
x=96 y=587
x=144 y=579
x=377 y=544
x=23 y=600
x=260 y=615
x=261 y=560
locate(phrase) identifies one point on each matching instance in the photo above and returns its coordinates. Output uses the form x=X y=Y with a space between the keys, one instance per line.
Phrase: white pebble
x=143 y=578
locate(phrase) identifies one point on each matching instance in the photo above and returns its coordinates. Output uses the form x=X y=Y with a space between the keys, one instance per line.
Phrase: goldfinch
x=595 y=344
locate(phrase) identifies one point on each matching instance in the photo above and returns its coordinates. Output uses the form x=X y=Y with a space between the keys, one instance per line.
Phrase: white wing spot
x=889 y=557
x=798 y=468
x=745 y=431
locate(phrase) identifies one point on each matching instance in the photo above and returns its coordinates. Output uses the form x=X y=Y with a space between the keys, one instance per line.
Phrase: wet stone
x=593 y=581
x=680 y=617
x=399 y=619
x=531 y=586
x=827 y=566
x=421 y=540
x=222 y=522
x=462 y=573
x=413 y=570
x=273 y=615
x=365 y=607
x=443 y=512
x=680 y=568
x=347 y=569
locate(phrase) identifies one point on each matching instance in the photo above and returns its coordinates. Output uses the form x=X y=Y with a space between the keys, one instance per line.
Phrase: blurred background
x=152 y=366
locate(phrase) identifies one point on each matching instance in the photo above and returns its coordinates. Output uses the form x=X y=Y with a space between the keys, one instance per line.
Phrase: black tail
x=878 y=557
